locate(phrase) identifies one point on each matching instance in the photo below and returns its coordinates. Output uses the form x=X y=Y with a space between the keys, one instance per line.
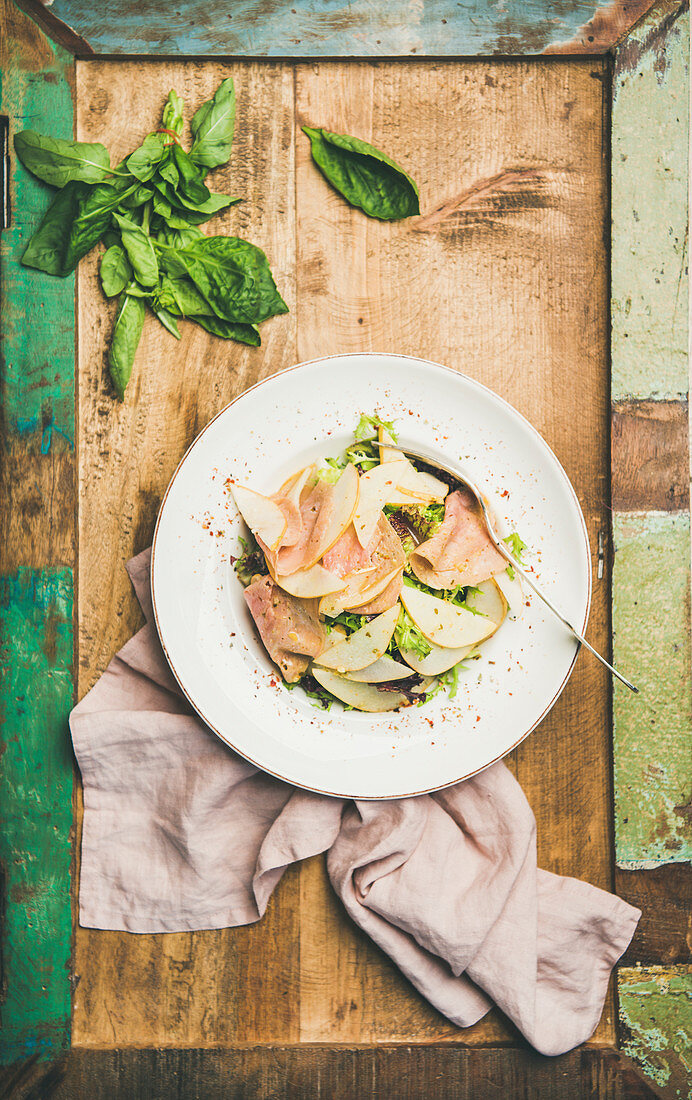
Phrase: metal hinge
x=5 y=212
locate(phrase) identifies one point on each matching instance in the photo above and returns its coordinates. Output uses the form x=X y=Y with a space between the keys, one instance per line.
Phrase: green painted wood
x=650 y=142
x=35 y=810
x=656 y=1018
x=336 y=28
x=651 y=640
x=37 y=332
x=36 y=601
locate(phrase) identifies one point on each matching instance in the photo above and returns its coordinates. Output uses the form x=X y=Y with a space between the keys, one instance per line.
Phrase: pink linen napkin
x=182 y=834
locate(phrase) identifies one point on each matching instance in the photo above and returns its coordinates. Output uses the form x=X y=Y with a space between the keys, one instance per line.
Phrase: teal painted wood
x=37 y=310
x=334 y=28
x=650 y=146
x=36 y=685
x=35 y=810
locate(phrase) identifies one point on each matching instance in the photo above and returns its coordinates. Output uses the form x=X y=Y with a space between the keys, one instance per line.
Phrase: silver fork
x=463 y=479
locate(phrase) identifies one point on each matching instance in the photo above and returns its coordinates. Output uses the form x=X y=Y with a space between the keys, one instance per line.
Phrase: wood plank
x=340 y=1073
x=650 y=445
x=656 y=1019
x=651 y=601
x=664 y=933
x=502 y=276
x=36 y=555
x=650 y=291
x=181 y=989
x=299 y=28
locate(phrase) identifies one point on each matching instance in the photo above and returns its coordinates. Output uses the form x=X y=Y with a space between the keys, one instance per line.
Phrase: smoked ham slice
x=460 y=551
x=289 y=627
x=372 y=569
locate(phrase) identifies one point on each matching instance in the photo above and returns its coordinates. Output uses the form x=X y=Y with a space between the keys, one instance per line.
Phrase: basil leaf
x=232 y=274
x=135 y=290
x=191 y=185
x=140 y=251
x=179 y=236
x=173 y=113
x=126 y=334
x=76 y=219
x=115 y=271
x=181 y=297
x=145 y=160
x=138 y=197
x=229 y=330
x=58 y=162
x=364 y=175
x=212 y=127
x=168 y=171
x=206 y=210
x=168 y=321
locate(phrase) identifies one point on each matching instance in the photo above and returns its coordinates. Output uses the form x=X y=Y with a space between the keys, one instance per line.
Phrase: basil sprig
x=146 y=212
x=364 y=175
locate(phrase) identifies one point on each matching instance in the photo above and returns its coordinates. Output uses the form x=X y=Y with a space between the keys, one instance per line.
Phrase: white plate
x=279 y=426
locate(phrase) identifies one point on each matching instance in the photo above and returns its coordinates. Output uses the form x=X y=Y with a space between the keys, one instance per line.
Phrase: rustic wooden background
x=504 y=276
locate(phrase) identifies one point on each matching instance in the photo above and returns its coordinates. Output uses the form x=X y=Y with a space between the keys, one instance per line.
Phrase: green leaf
x=364 y=175
x=229 y=330
x=179 y=237
x=516 y=545
x=145 y=160
x=232 y=274
x=168 y=321
x=138 y=197
x=140 y=251
x=212 y=127
x=408 y=636
x=181 y=297
x=168 y=170
x=191 y=187
x=206 y=210
x=173 y=113
x=368 y=427
x=115 y=271
x=75 y=221
x=126 y=334
x=59 y=162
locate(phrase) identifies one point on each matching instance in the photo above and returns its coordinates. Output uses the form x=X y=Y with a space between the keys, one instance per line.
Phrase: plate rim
x=496 y=397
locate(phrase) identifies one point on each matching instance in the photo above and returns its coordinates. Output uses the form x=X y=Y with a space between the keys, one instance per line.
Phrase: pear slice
x=444 y=623
x=389 y=483
x=262 y=515
x=360 y=590
x=342 y=505
x=380 y=671
x=306 y=583
x=511 y=589
x=387 y=455
x=363 y=697
x=487 y=599
x=440 y=659
x=364 y=646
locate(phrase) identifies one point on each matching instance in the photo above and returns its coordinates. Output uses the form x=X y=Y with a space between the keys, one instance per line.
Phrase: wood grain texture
x=503 y=276
x=650 y=445
x=664 y=895
x=337 y=1073
x=334 y=28
x=205 y=988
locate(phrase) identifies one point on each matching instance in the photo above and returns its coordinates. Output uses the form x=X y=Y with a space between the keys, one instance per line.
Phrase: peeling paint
x=607 y=26
x=35 y=810
x=361 y=28
x=652 y=731
x=656 y=1019
x=650 y=127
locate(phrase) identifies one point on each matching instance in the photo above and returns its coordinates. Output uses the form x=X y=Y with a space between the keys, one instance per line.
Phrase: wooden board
x=335 y=28
x=504 y=277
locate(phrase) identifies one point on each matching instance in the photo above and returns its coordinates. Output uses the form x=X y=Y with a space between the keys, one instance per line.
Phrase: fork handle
x=580 y=637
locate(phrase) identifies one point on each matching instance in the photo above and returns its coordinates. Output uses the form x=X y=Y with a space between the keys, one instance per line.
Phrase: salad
x=371 y=581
